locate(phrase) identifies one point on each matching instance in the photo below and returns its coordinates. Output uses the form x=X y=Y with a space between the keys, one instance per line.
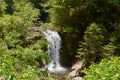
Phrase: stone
x=77 y=78
x=75 y=70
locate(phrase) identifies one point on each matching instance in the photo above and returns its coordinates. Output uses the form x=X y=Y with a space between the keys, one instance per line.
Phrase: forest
x=89 y=29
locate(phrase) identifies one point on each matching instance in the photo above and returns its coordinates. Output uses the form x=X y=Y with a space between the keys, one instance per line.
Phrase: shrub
x=107 y=69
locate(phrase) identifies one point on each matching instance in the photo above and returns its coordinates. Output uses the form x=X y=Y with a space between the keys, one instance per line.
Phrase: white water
x=53 y=50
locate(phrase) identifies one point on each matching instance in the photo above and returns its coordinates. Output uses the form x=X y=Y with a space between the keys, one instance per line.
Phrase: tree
x=91 y=47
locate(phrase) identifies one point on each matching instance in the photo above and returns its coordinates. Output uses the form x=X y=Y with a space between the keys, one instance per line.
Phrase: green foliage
x=17 y=63
x=109 y=49
x=91 y=47
x=2 y=7
x=29 y=74
x=81 y=13
x=107 y=69
x=26 y=11
x=58 y=13
x=93 y=35
x=69 y=30
x=6 y=68
x=114 y=41
x=21 y=48
x=18 y=23
x=94 y=48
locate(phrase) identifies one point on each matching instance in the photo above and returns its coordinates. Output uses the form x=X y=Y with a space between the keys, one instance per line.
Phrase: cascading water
x=53 y=50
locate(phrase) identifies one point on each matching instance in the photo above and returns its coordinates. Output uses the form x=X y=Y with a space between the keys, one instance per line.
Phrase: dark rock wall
x=69 y=48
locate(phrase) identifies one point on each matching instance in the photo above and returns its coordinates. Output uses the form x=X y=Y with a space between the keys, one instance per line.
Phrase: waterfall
x=54 y=50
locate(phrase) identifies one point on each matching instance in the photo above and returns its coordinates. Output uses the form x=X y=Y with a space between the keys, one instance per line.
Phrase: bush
x=107 y=69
